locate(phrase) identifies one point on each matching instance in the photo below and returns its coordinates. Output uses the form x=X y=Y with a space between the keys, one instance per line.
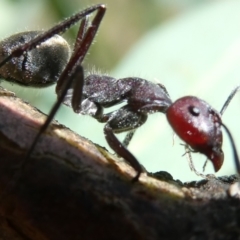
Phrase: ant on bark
x=42 y=58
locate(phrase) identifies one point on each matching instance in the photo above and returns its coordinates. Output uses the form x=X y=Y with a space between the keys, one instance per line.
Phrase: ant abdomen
x=39 y=67
x=199 y=125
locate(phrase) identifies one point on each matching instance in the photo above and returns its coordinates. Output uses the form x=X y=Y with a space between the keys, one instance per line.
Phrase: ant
x=41 y=58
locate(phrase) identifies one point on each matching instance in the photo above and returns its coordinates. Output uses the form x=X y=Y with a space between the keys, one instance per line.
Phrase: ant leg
x=76 y=85
x=105 y=117
x=77 y=73
x=84 y=40
x=81 y=32
x=72 y=76
x=205 y=165
x=119 y=148
x=128 y=138
x=229 y=99
x=59 y=28
x=117 y=121
x=120 y=121
x=190 y=162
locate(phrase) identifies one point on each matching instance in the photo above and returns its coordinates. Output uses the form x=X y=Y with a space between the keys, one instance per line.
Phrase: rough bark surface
x=73 y=189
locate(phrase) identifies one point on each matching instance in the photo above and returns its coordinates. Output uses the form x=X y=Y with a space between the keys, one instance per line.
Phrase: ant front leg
x=128 y=138
x=188 y=152
x=119 y=121
x=116 y=122
x=122 y=151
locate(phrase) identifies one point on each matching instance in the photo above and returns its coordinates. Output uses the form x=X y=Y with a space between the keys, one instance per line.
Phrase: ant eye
x=194 y=111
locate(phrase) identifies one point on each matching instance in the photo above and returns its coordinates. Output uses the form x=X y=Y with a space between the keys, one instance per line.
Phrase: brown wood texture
x=73 y=189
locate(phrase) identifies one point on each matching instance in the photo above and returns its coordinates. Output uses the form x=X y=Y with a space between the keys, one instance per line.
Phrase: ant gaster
x=42 y=58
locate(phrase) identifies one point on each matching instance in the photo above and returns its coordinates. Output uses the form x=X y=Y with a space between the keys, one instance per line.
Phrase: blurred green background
x=191 y=46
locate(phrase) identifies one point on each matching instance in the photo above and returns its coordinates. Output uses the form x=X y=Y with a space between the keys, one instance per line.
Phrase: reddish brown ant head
x=199 y=125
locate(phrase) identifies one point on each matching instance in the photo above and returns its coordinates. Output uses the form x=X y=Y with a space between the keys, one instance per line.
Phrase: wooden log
x=74 y=189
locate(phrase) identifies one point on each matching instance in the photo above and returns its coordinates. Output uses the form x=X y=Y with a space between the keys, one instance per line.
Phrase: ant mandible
x=41 y=58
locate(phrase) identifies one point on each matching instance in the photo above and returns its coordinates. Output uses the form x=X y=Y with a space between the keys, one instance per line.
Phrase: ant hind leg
x=57 y=29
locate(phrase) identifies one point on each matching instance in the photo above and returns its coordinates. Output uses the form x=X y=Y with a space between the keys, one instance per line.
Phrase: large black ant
x=41 y=58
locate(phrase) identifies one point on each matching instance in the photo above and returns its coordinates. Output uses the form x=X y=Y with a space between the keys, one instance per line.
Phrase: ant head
x=199 y=125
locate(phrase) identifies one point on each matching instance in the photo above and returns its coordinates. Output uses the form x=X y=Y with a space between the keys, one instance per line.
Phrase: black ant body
x=42 y=58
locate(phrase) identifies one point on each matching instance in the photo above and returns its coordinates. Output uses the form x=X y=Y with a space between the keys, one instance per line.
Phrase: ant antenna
x=235 y=154
x=229 y=99
x=225 y=105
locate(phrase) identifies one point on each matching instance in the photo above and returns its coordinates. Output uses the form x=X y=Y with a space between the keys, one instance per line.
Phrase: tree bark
x=74 y=189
